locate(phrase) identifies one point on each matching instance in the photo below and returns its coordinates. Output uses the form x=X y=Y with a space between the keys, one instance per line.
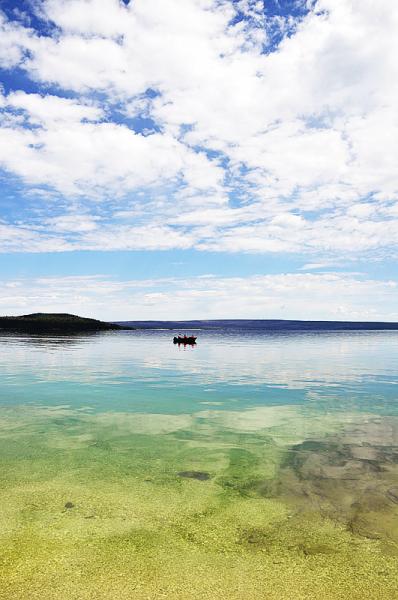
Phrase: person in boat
x=184 y=339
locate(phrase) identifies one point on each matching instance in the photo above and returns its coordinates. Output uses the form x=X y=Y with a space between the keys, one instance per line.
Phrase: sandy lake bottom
x=132 y=470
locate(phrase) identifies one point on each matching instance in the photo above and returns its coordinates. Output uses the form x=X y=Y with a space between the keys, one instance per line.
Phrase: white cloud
x=301 y=139
x=73 y=151
x=95 y=17
x=14 y=41
x=66 y=144
x=22 y=239
x=301 y=296
x=213 y=229
x=46 y=110
x=72 y=223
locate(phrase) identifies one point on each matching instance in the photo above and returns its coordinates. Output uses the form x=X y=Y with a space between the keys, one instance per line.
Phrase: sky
x=196 y=159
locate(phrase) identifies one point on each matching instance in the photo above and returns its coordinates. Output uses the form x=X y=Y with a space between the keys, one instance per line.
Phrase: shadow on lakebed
x=198 y=475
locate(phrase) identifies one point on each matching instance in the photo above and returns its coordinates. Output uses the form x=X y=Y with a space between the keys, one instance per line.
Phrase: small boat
x=184 y=339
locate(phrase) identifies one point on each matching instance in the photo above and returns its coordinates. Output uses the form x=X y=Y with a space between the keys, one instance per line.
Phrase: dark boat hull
x=191 y=340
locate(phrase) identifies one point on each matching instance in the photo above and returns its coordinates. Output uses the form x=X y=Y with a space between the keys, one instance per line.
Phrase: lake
x=252 y=465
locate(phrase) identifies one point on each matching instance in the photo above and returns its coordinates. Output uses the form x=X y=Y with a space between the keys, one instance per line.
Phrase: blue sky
x=211 y=158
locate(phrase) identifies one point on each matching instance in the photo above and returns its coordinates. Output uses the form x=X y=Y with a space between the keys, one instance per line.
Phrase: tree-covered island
x=58 y=323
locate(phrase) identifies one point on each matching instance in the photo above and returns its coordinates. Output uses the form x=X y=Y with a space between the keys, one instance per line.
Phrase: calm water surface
x=249 y=466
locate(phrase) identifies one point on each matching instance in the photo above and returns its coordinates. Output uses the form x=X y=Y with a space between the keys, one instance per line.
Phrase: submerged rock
x=199 y=475
x=101 y=445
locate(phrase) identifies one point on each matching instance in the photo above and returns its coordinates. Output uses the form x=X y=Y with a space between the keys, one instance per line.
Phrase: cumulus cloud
x=65 y=144
x=212 y=134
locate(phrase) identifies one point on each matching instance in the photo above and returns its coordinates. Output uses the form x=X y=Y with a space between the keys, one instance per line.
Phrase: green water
x=251 y=466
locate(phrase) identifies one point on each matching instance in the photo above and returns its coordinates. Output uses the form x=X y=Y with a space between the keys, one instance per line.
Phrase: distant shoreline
x=263 y=324
x=63 y=323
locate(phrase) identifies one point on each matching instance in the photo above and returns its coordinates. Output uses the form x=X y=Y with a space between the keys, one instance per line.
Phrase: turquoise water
x=248 y=466
x=145 y=372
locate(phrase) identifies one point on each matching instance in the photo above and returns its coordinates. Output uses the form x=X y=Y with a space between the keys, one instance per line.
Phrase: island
x=58 y=323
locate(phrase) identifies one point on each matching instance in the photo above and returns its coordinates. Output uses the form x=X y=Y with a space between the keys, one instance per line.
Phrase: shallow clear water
x=248 y=466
